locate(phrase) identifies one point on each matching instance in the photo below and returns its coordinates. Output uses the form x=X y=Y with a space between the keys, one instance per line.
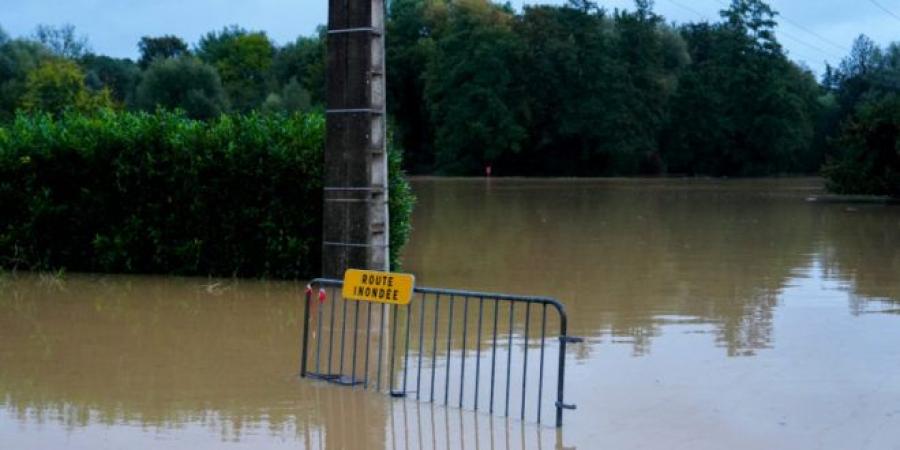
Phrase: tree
x=869 y=162
x=742 y=108
x=651 y=55
x=303 y=60
x=864 y=58
x=470 y=88
x=186 y=83
x=167 y=46
x=854 y=76
x=585 y=6
x=293 y=98
x=573 y=84
x=62 y=41
x=411 y=37
x=4 y=38
x=864 y=153
x=58 y=85
x=119 y=76
x=867 y=71
x=53 y=87
x=753 y=20
x=243 y=60
x=17 y=59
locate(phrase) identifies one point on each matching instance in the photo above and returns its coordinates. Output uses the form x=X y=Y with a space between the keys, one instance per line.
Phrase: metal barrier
x=431 y=302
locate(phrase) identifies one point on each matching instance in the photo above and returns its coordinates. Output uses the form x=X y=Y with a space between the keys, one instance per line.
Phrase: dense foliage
x=243 y=60
x=869 y=161
x=577 y=90
x=161 y=47
x=58 y=85
x=741 y=107
x=186 y=83
x=161 y=193
x=548 y=91
x=18 y=58
x=231 y=70
x=864 y=139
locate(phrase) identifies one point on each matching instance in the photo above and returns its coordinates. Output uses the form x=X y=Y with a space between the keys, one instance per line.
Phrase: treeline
x=862 y=122
x=579 y=90
x=572 y=90
x=233 y=70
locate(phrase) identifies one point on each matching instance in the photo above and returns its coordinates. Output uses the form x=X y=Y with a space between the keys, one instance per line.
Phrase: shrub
x=400 y=206
x=162 y=193
x=184 y=83
x=58 y=85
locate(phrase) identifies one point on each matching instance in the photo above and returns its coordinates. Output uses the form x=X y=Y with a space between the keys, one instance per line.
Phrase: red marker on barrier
x=321 y=296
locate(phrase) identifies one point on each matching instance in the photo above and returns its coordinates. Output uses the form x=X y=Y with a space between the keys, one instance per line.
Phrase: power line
x=803 y=28
x=807 y=44
x=881 y=7
x=828 y=54
x=813 y=33
x=688 y=8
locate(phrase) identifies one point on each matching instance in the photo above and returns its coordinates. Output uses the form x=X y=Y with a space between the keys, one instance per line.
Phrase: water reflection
x=158 y=358
x=417 y=425
x=721 y=314
x=862 y=249
x=629 y=257
x=162 y=353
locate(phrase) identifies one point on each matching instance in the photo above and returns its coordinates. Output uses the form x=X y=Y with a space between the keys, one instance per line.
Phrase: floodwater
x=716 y=314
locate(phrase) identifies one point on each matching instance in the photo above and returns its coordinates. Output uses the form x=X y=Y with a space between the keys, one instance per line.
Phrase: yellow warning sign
x=378 y=287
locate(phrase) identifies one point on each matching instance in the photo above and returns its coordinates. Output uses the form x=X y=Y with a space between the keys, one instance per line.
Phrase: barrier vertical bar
x=303 y=351
x=368 y=336
x=561 y=371
x=478 y=351
x=380 y=348
x=494 y=353
x=331 y=335
x=393 y=353
x=509 y=355
x=343 y=333
x=462 y=370
x=421 y=347
x=541 y=376
x=355 y=338
x=406 y=354
x=434 y=343
x=449 y=341
x=319 y=308
x=525 y=358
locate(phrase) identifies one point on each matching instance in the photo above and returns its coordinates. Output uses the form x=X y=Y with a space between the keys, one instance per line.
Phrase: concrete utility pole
x=356 y=183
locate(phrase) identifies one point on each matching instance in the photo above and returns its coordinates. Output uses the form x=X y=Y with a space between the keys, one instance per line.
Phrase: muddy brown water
x=717 y=314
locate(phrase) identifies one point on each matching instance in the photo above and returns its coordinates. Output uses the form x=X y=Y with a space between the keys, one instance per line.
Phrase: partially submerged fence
x=484 y=327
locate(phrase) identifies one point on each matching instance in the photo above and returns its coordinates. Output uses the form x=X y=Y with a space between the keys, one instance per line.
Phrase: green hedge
x=161 y=193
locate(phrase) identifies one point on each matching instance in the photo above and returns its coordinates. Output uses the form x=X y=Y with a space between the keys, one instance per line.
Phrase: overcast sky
x=812 y=31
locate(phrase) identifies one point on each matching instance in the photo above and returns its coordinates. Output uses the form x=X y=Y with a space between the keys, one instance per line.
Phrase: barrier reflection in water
x=417 y=425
